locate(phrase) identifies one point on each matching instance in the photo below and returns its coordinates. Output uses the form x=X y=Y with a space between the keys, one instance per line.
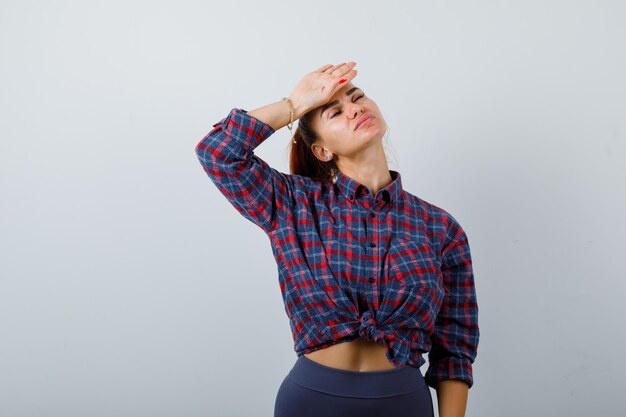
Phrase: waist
x=360 y=355
x=359 y=384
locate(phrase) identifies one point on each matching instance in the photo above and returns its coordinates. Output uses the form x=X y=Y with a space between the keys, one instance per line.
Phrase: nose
x=356 y=109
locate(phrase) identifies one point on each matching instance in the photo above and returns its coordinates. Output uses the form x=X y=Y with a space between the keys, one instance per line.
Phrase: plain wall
x=130 y=287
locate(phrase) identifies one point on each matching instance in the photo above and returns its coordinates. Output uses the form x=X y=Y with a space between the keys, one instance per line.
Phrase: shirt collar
x=352 y=189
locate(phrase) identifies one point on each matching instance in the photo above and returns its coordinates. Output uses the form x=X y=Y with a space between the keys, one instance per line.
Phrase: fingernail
x=343 y=80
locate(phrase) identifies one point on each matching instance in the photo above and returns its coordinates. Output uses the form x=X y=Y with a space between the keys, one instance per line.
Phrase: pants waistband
x=370 y=384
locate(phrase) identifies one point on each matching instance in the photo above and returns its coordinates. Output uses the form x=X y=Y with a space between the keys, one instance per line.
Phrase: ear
x=321 y=153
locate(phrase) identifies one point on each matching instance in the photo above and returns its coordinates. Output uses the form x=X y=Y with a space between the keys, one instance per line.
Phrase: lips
x=363 y=118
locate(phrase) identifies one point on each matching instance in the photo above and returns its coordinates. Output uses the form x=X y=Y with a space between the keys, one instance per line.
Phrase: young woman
x=371 y=275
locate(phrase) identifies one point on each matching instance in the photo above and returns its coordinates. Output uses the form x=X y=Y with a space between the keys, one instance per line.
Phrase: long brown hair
x=302 y=161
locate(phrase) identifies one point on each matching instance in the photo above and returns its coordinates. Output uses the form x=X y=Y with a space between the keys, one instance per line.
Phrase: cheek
x=333 y=132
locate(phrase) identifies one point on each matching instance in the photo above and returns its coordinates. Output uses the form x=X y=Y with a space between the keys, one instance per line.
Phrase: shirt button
x=372 y=214
x=372 y=280
x=372 y=244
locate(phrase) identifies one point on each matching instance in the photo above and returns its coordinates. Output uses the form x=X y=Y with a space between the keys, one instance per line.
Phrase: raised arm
x=259 y=192
x=277 y=114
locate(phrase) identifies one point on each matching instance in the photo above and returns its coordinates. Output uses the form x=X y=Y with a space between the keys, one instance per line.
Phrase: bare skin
x=358 y=153
x=360 y=355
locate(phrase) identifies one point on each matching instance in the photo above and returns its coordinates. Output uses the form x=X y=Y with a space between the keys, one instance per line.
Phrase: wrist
x=299 y=109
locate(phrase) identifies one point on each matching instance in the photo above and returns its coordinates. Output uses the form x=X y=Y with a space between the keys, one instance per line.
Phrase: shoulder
x=311 y=188
x=442 y=226
x=431 y=213
x=305 y=184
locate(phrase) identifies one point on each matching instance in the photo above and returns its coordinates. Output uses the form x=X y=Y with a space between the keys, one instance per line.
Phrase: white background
x=130 y=287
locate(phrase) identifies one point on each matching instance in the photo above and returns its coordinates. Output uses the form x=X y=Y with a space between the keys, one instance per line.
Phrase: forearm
x=277 y=114
x=452 y=398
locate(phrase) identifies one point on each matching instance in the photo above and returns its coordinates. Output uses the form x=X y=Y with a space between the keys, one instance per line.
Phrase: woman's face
x=349 y=123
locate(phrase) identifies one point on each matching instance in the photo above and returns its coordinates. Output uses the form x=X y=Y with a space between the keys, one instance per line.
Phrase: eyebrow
x=335 y=102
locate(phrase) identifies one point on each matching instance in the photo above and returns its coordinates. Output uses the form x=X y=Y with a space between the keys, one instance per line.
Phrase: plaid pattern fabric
x=389 y=267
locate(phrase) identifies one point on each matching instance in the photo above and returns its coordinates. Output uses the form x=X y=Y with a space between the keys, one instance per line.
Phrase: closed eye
x=338 y=112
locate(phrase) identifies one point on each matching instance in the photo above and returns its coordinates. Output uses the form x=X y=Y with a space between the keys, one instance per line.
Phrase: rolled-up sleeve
x=456 y=333
x=259 y=192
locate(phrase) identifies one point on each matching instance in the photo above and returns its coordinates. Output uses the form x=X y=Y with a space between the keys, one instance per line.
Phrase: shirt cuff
x=246 y=131
x=449 y=368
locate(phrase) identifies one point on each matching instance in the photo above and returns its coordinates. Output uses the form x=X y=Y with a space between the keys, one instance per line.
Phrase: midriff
x=360 y=355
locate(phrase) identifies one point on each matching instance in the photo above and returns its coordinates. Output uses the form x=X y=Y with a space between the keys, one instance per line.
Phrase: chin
x=375 y=131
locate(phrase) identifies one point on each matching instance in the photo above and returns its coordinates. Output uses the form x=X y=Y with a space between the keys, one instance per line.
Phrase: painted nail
x=343 y=80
